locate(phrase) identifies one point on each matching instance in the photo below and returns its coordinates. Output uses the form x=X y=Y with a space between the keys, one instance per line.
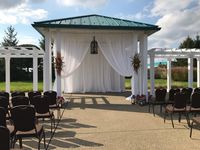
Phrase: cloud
x=21 y=13
x=91 y=4
x=177 y=21
x=7 y=4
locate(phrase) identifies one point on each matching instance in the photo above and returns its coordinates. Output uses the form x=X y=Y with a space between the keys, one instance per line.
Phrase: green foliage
x=188 y=43
x=10 y=39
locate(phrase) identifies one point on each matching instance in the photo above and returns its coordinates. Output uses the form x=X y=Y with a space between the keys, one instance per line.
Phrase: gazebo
x=171 y=54
x=117 y=42
x=21 y=52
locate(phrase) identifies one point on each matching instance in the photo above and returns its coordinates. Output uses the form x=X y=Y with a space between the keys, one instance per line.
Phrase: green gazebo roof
x=95 y=22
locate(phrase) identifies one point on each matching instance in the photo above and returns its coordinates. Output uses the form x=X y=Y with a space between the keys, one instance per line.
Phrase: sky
x=177 y=18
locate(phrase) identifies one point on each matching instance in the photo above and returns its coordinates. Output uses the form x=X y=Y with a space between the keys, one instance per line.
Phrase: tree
x=188 y=43
x=11 y=37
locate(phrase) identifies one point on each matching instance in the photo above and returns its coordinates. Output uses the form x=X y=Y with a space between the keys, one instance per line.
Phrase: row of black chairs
x=185 y=101
x=40 y=104
x=160 y=97
x=24 y=124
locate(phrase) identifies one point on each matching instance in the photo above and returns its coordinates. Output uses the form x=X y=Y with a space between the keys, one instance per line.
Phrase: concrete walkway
x=109 y=122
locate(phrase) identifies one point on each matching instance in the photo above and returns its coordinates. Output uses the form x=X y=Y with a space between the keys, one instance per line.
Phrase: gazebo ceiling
x=96 y=22
x=174 y=53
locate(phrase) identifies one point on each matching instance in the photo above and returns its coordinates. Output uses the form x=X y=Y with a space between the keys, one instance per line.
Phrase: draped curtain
x=84 y=72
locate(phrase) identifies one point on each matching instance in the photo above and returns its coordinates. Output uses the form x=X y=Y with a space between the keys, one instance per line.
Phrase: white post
x=169 y=74
x=7 y=66
x=143 y=48
x=152 y=74
x=134 y=79
x=47 y=70
x=141 y=69
x=198 y=72
x=35 y=72
x=190 y=72
x=58 y=77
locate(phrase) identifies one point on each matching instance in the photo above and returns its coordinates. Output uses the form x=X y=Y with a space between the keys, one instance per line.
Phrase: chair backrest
x=31 y=95
x=180 y=100
x=197 y=90
x=23 y=117
x=41 y=104
x=4 y=138
x=19 y=100
x=160 y=94
x=188 y=92
x=17 y=93
x=52 y=95
x=195 y=100
x=172 y=92
x=4 y=102
x=5 y=94
x=2 y=117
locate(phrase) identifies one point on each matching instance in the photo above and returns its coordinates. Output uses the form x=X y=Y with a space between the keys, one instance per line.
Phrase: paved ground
x=109 y=122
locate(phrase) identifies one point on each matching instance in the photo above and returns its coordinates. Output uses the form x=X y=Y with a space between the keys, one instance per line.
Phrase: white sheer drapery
x=118 y=51
x=73 y=49
x=83 y=73
x=94 y=75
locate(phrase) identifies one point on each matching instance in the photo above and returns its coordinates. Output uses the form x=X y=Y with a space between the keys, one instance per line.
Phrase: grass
x=21 y=86
x=28 y=85
x=162 y=83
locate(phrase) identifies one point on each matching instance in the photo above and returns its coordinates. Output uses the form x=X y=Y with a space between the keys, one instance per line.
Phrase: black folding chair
x=41 y=105
x=17 y=93
x=159 y=99
x=19 y=100
x=31 y=95
x=25 y=124
x=179 y=106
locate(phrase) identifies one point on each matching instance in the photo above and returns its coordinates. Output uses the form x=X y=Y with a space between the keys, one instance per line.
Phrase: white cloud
x=21 y=13
x=177 y=21
x=23 y=39
x=6 y=4
x=91 y=4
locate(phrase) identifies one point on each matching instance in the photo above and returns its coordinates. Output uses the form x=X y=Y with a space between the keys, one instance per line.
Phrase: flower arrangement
x=59 y=63
x=136 y=62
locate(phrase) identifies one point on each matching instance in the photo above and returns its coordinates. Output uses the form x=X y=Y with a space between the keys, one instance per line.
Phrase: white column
x=152 y=74
x=169 y=74
x=140 y=72
x=35 y=73
x=7 y=67
x=190 y=72
x=198 y=72
x=47 y=70
x=58 y=77
x=143 y=47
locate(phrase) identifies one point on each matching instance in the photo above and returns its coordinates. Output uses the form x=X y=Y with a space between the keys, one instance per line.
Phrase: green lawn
x=28 y=86
x=21 y=86
x=162 y=83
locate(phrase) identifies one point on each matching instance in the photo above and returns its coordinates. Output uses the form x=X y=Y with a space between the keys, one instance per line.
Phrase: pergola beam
x=21 y=52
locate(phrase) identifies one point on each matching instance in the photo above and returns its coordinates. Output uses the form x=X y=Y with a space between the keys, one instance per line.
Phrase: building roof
x=95 y=22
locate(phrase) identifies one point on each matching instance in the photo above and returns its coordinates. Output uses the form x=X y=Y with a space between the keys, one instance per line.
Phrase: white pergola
x=21 y=52
x=171 y=54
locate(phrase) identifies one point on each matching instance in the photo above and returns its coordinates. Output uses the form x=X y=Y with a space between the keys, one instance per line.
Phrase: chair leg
x=20 y=142
x=44 y=139
x=187 y=119
x=149 y=107
x=160 y=108
x=191 y=129
x=153 y=110
x=179 y=118
x=165 y=115
x=172 y=120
